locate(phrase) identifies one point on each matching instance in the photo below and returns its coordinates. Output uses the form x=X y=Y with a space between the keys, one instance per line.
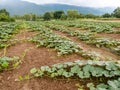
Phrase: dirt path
x=79 y=29
x=107 y=54
x=110 y=36
x=104 y=35
x=35 y=57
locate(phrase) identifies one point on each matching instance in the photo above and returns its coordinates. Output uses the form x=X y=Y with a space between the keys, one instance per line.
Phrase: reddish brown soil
x=116 y=29
x=111 y=36
x=91 y=48
x=35 y=57
x=24 y=34
x=79 y=29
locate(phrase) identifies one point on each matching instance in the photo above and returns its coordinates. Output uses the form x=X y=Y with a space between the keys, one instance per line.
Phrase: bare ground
x=91 y=48
x=35 y=57
x=110 y=36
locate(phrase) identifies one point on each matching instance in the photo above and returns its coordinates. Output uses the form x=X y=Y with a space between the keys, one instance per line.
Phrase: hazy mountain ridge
x=21 y=7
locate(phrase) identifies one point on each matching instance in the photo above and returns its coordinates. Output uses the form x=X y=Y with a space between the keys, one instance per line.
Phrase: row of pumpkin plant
x=62 y=44
x=104 y=70
x=88 y=37
x=7 y=31
x=91 y=26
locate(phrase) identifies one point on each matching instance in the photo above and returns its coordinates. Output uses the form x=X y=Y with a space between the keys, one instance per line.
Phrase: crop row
x=88 y=37
x=8 y=62
x=63 y=45
x=99 y=27
x=7 y=30
x=79 y=69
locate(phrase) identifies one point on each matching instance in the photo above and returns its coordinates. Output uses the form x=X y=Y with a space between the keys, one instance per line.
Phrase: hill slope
x=22 y=7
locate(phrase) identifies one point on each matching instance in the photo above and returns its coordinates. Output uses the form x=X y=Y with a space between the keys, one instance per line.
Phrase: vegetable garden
x=60 y=55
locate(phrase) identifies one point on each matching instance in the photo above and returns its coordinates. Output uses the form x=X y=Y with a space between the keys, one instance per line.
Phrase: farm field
x=60 y=55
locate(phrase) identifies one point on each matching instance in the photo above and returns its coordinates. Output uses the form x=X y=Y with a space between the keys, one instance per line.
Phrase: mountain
x=22 y=7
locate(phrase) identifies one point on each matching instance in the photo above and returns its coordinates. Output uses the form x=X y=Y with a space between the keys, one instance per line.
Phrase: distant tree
x=4 y=11
x=91 y=16
x=4 y=16
x=58 y=14
x=106 y=15
x=81 y=15
x=116 y=12
x=52 y=14
x=63 y=17
x=18 y=17
x=47 y=16
x=34 y=17
x=26 y=17
x=72 y=14
x=29 y=17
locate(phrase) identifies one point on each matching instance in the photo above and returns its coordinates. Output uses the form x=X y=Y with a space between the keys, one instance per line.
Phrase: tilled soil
x=35 y=57
x=91 y=48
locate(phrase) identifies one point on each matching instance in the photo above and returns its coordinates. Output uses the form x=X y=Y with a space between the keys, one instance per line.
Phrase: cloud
x=88 y=3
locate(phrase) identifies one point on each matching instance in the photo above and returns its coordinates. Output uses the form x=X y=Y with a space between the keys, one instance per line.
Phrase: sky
x=88 y=3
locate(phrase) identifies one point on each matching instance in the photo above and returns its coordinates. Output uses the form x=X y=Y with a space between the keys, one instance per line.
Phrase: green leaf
x=91 y=86
x=60 y=71
x=5 y=64
x=33 y=70
x=75 y=69
x=102 y=87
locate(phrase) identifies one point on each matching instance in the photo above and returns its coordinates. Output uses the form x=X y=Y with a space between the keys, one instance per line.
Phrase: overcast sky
x=89 y=3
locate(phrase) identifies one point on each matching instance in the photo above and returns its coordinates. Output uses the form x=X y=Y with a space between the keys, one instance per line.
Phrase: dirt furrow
x=104 y=53
x=34 y=57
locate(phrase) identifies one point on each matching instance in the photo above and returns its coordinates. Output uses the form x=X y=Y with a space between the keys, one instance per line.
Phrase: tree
x=81 y=15
x=63 y=17
x=26 y=17
x=72 y=14
x=91 y=16
x=58 y=14
x=34 y=17
x=4 y=16
x=106 y=15
x=4 y=11
x=116 y=12
x=47 y=16
x=29 y=17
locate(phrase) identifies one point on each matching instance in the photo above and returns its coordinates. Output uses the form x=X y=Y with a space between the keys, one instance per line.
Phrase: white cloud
x=89 y=3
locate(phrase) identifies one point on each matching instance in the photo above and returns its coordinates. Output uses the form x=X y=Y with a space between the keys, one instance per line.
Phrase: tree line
x=74 y=14
x=5 y=16
x=70 y=14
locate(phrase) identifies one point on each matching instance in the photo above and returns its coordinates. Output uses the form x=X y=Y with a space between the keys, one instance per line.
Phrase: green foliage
x=4 y=11
x=84 y=70
x=47 y=16
x=81 y=15
x=89 y=37
x=58 y=14
x=106 y=15
x=4 y=16
x=111 y=85
x=7 y=30
x=29 y=17
x=63 y=17
x=80 y=87
x=63 y=45
x=117 y=50
x=72 y=14
x=90 y=16
x=6 y=62
x=116 y=12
